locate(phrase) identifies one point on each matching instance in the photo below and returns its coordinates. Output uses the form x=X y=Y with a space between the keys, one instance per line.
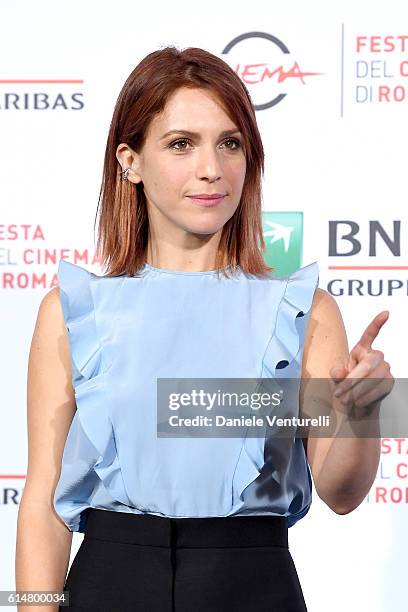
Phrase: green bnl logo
x=283 y=235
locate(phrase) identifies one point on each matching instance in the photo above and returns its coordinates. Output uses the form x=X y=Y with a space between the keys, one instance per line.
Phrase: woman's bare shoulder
x=50 y=314
x=50 y=344
x=51 y=299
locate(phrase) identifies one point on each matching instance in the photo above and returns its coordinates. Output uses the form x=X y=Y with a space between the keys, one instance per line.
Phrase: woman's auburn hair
x=123 y=220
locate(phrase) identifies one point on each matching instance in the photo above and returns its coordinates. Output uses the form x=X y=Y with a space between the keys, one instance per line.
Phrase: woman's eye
x=236 y=142
x=172 y=146
x=184 y=140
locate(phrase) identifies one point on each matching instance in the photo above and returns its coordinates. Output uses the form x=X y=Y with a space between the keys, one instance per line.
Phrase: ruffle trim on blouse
x=88 y=373
x=283 y=349
x=77 y=305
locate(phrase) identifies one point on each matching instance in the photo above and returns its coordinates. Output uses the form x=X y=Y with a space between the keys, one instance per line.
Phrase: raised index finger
x=371 y=331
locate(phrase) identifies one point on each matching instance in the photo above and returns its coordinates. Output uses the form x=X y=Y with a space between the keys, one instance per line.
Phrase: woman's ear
x=127 y=158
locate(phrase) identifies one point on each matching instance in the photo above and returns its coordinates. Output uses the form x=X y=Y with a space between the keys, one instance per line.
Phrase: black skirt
x=147 y=563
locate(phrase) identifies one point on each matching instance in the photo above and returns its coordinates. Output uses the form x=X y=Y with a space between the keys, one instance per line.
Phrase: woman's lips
x=206 y=201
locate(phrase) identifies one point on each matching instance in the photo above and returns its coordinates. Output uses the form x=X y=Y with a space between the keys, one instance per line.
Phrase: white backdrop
x=335 y=149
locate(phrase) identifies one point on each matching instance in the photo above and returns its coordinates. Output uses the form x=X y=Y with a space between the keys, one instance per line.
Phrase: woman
x=195 y=522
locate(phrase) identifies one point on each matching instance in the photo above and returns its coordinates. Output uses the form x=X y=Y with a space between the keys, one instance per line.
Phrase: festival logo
x=374 y=69
x=267 y=67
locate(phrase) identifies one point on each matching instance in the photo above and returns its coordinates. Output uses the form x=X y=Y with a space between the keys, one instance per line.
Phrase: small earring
x=124 y=174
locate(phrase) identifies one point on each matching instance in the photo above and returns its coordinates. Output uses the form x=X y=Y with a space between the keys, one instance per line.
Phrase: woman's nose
x=208 y=164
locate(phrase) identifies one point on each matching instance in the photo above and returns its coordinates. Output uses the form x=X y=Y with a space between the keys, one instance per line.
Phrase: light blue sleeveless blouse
x=126 y=331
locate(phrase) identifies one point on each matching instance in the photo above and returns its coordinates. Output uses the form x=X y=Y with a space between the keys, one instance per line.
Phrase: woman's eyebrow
x=196 y=134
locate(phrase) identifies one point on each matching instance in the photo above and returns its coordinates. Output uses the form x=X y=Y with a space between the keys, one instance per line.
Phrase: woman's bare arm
x=43 y=541
x=343 y=468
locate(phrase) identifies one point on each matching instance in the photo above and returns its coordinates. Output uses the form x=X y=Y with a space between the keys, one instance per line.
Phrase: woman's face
x=176 y=166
